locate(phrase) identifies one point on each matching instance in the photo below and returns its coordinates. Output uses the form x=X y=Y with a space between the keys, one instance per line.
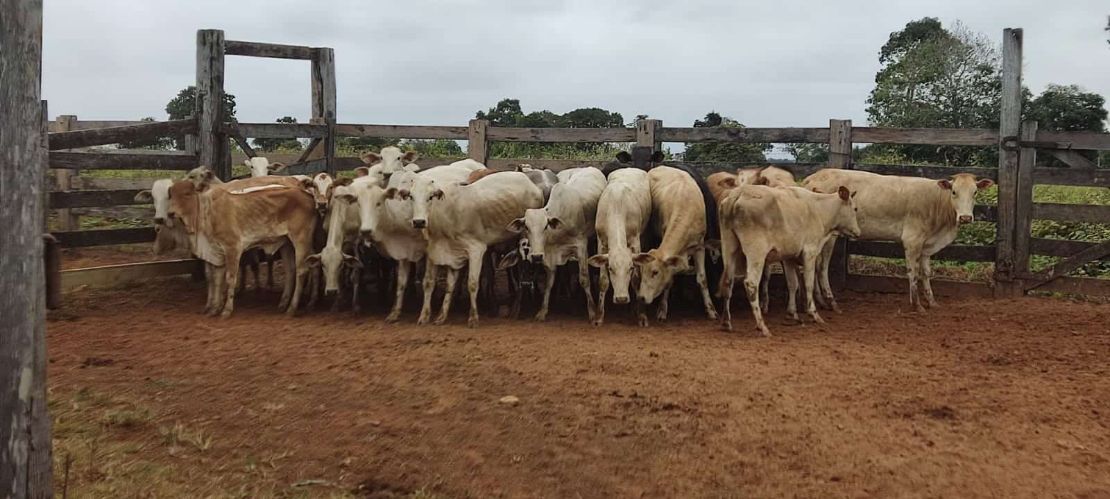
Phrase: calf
x=561 y=230
x=226 y=219
x=388 y=161
x=922 y=214
x=461 y=222
x=623 y=212
x=342 y=224
x=779 y=224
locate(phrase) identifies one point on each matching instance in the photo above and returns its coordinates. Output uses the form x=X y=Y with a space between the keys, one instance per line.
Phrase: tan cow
x=227 y=219
x=623 y=213
x=790 y=225
x=922 y=214
x=679 y=213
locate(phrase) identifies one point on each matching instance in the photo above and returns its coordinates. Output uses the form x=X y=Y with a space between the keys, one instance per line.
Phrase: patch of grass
x=179 y=435
x=126 y=418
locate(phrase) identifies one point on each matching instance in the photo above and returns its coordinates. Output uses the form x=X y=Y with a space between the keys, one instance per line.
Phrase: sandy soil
x=976 y=399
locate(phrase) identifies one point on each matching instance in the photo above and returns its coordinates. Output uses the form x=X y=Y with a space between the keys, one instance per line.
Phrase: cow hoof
x=643 y=322
x=764 y=332
x=598 y=322
x=712 y=315
x=225 y=314
x=421 y=321
x=393 y=317
x=439 y=321
x=726 y=326
x=472 y=322
x=792 y=321
x=817 y=319
x=540 y=317
x=835 y=307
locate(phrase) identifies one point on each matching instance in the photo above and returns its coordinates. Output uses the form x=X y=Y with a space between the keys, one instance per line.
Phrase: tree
x=438 y=148
x=185 y=104
x=509 y=113
x=592 y=117
x=505 y=113
x=271 y=145
x=809 y=153
x=1068 y=108
x=723 y=152
x=937 y=78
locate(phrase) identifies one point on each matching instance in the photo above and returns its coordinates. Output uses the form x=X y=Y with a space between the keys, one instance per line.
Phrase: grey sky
x=786 y=63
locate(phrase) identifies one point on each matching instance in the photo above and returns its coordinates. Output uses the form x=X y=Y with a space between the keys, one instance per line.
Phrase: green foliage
x=271 y=145
x=185 y=104
x=724 y=152
x=438 y=148
x=159 y=144
x=809 y=153
x=508 y=113
x=1068 y=108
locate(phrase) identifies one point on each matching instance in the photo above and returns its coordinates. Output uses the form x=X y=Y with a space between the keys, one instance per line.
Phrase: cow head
x=534 y=227
x=322 y=189
x=391 y=159
x=259 y=166
x=183 y=203
x=721 y=182
x=423 y=192
x=845 y=219
x=332 y=260
x=657 y=272
x=961 y=188
x=618 y=263
x=640 y=157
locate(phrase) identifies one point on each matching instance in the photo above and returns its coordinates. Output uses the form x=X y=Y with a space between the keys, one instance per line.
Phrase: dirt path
x=979 y=398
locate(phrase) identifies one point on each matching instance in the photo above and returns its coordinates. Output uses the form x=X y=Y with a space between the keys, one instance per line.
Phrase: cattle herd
x=644 y=221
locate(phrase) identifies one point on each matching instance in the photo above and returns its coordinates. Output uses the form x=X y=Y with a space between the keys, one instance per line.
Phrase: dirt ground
x=976 y=399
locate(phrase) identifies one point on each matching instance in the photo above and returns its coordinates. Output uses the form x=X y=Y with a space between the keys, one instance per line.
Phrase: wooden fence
x=1017 y=143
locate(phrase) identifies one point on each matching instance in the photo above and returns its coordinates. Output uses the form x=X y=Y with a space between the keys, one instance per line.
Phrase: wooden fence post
x=25 y=463
x=1023 y=213
x=647 y=132
x=1009 y=123
x=67 y=220
x=477 y=145
x=211 y=142
x=840 y=156
x=323 y=101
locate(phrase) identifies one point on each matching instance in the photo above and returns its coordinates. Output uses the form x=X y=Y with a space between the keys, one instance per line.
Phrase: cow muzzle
x=366 y=234
x=331 y=292
x=620 y=300
x=537 y=258
x=966 y=219
x=419 y=224
x=159 y=221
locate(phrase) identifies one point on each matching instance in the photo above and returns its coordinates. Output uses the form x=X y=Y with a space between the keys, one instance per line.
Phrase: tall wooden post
x=1008 y=153
x=25 y=467
x=211 y=143
x=1023 y=212
x=477 y=145
x=67 y=220
x=323 y=101
x=840 y=156
x=647 y=133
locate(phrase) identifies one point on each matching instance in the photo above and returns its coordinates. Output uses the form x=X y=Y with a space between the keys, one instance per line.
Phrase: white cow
x=922 y=214
x=461 y=223
x=561 y=230
x=388 y=161
x=790 y=225
x=385 y=216
x=342 y=225
x=679 y=209
x=623 y=212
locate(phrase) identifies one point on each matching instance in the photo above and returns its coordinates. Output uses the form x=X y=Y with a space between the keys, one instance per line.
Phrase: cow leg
x=473 y=280
x=403 y=267
x=584 y=278
x=356 y=281
x=448 y=296
x=823 y=269
x=342 y=289
x=302 y=247
x=269 y=271
x=913 y=261
x=214 y=277
x=231 y=269
x=664 y=304
x=926 y=275
x=790 y=272
x=809 y=269
x=516 y=288
x=765 y=289
x=602 y=284
x=429 y=283
x=703 y=283
x=313 y=283
x=549 y=274
x=289 y=264
x=752 y=276
x=730 y=254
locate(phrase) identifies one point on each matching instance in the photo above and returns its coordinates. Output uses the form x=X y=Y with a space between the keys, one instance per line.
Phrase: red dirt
x=978 y=398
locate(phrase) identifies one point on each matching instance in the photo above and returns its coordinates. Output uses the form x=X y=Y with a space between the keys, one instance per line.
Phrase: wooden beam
x=926 y=171
x=1077 y=140
x=110 y=160
x=1071 y=158
x=211 y=143
x=551 y=164
x=499 y=134
x=279 y=130
x=271 y=50
x=1057 y=247
x=115 y=275
x=82 y=199
x=1087 y=286
x=25 y=467
x=308 y=150
x=1072 y=176
x=647 y=133
x=897 y=285
x=959 y=253
x=926 y=136
x=402 y=131
x=1009 y=127
x=59 y=126
x=67 y=220
x=1023 y=199
x=477 y=141
x=746 y=135
x=115 y=135
x=1099 y=214
x=243 y=144
x=323 y=101
x=104 y=237
x=840 y=156
x=1062 y=268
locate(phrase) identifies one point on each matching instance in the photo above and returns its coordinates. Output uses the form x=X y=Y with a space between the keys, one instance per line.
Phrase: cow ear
x=371 y=158
x=599 y=260
x=516 y=226
x=509 y=260
x=844 y=193
x=404 y=193
x=278 y=167
x=657 y=157
x=353 y=261
x=308 y=185
x=313 y=260
x=674 y=261
x=945 y=184
x=854 y=193
x=410 y=156
x=713 y=244
x=144 y=196
x=347 y=198
x=728 y=182
x=554 y=223
x=437 y=194
x=362 y=171
x=205 y=180
x=624 y=157
x=341 y=181
x=984 y=183
x=391 y=192
x=643 y=258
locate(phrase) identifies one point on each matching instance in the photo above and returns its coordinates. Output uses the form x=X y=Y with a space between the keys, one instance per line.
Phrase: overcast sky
x=783 y=63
